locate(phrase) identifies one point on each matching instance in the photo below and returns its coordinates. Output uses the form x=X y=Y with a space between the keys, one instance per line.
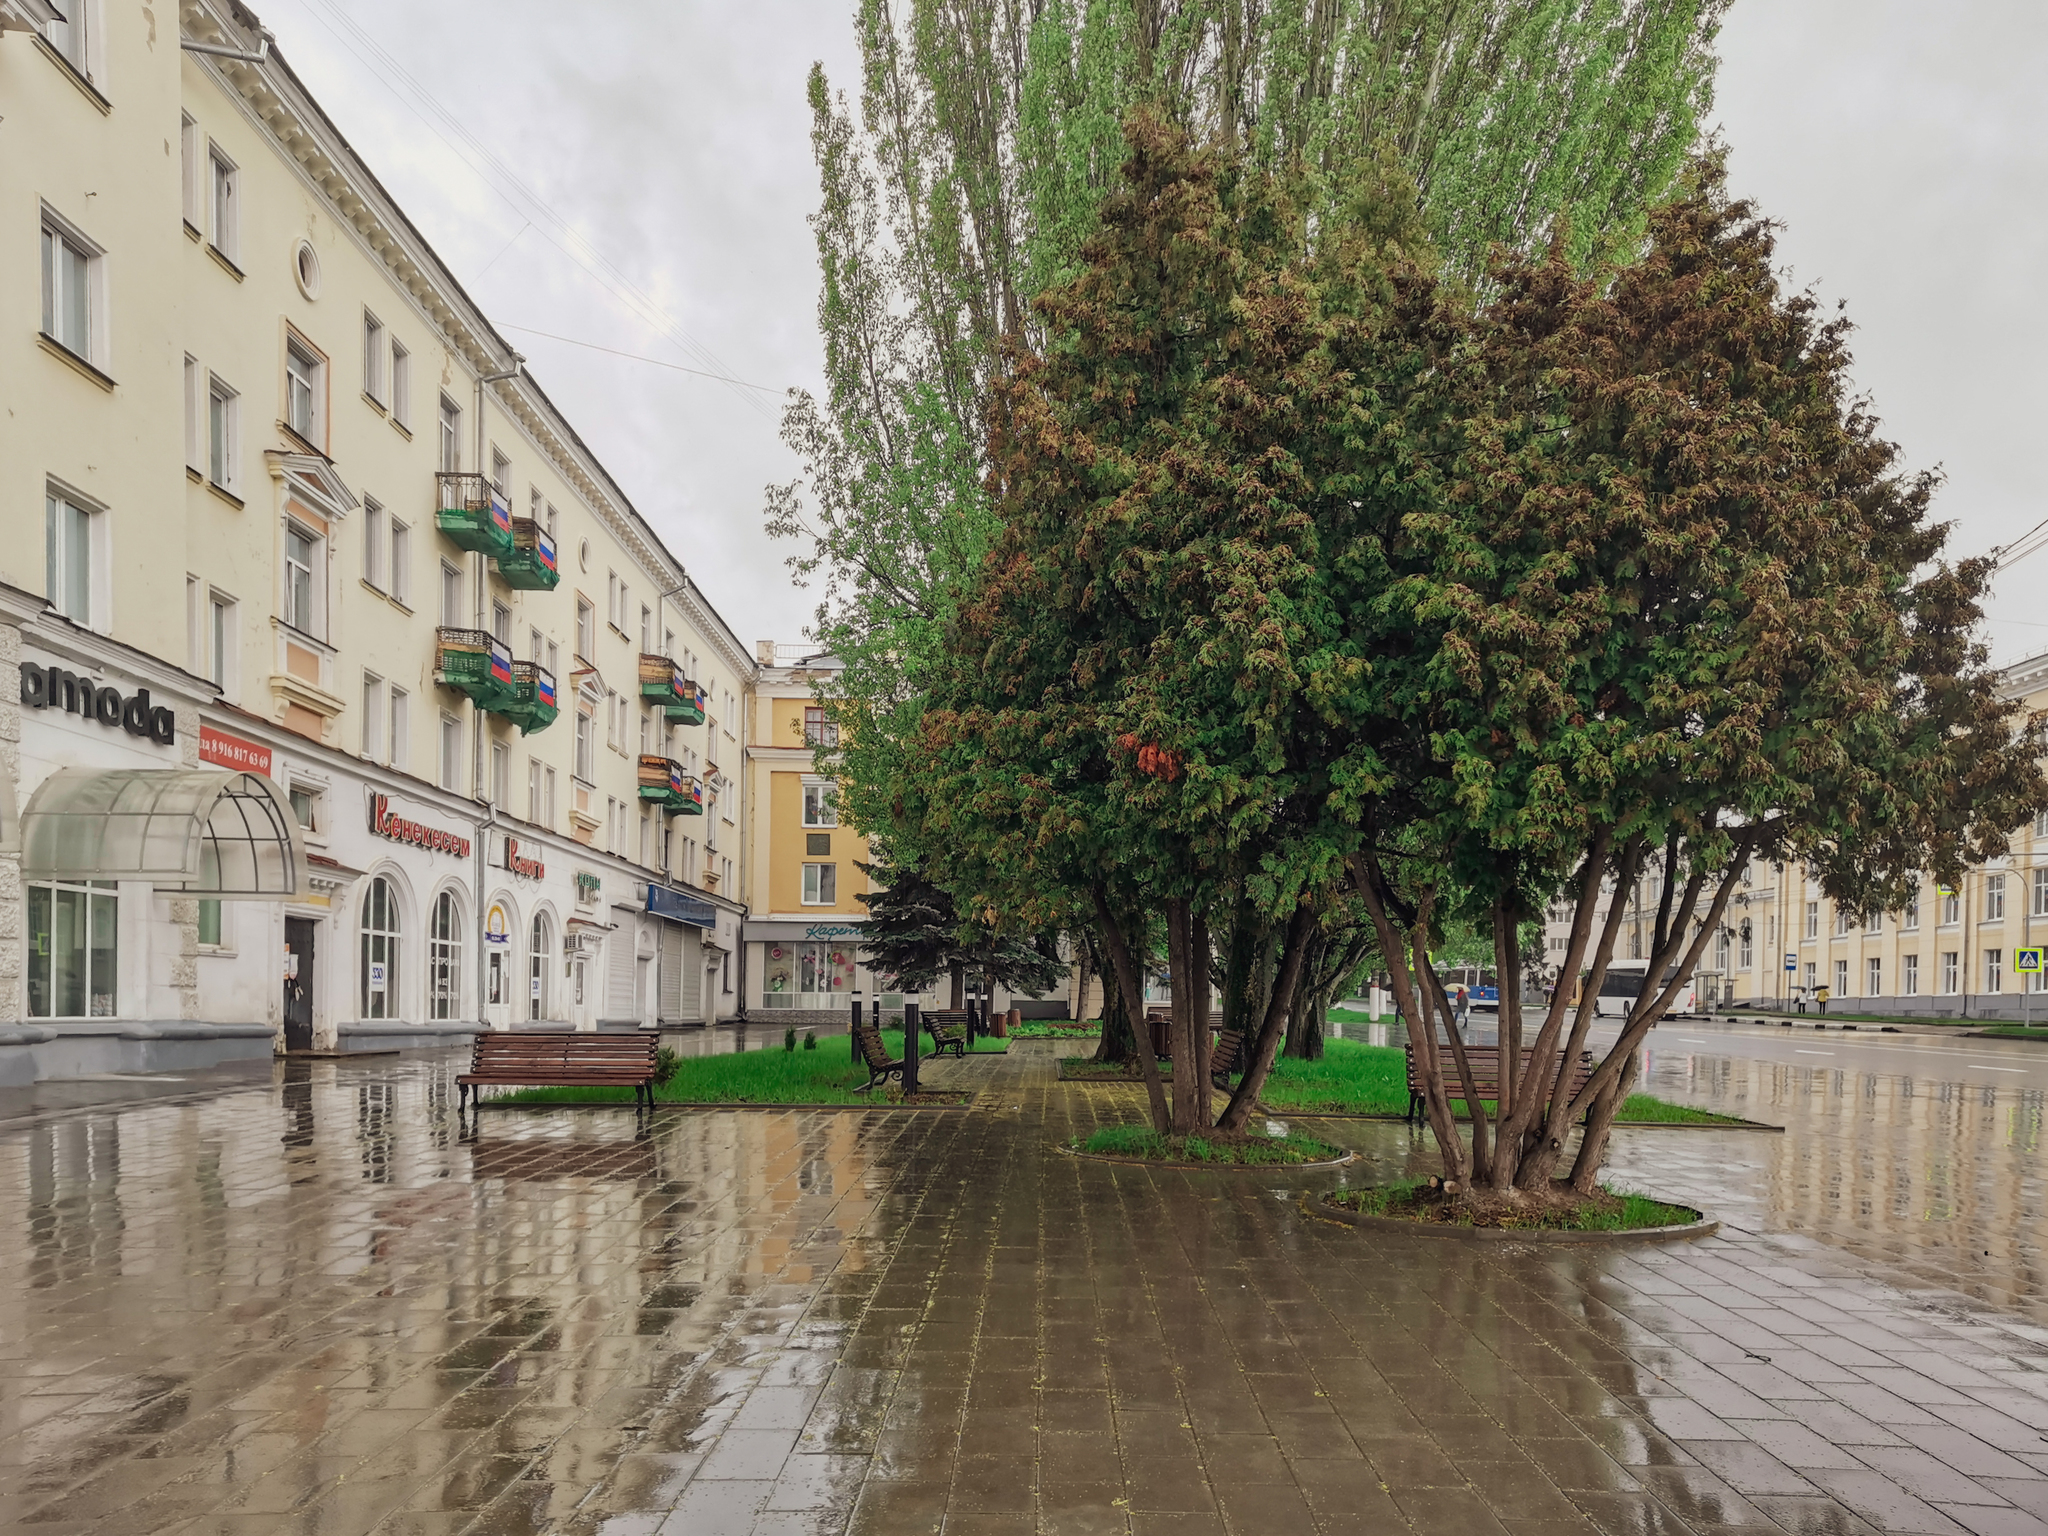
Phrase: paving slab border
x=1706 y=1226
x=1194 y=1167
x=862 y=1109
x=1619 y=1125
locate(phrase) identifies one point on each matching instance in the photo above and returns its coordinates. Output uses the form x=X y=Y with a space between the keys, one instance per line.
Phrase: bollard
x=973 y=1023
x=853 y=1031
x=910 y=1024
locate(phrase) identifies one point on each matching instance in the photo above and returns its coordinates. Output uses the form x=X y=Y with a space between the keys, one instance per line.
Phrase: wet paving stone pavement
x=299 y=1299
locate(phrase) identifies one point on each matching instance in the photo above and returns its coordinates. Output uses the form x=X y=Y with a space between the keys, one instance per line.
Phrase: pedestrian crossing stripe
x=2026 y=960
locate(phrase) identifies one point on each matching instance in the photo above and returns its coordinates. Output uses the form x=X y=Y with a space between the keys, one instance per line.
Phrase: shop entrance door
x=298 y=984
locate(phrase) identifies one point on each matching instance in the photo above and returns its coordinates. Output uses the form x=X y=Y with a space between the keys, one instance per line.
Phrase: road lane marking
x=1685 y=1040
x=1814 y=1053
x=1985 y=1066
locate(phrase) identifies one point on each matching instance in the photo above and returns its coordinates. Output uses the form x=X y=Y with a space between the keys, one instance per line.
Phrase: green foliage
x=789 y=1039
x=665 y=1063
x=1627 y=1212
x=810 y=1039
x=915 y=935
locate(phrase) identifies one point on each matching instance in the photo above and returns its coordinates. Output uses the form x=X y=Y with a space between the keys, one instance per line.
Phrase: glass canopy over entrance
x=193 y=831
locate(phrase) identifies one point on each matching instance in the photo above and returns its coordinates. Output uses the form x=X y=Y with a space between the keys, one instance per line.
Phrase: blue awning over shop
x=680 y=907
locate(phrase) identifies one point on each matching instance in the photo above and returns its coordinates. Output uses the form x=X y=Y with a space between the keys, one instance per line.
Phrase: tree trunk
x=1128 y=982
x=1268 y=1044
x=1187 y=1087
x=1305 y=1019
x=1201 y=958
x=957 y=970
x=1118 y=1042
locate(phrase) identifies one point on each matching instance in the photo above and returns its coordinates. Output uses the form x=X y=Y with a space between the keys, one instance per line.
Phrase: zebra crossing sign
x=2026 y=961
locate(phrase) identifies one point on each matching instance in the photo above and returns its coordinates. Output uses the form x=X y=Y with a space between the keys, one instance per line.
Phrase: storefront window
x=380 y=950
x=539 y=959
x=808 y=973
x=73 y=950
x=444 y=959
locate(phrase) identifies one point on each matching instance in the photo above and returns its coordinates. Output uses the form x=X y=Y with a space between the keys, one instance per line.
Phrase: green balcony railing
x=535 y=707
x=663 y=783
x=476 y=663
x=469 y=510
x=531 y=564
x=688 y=706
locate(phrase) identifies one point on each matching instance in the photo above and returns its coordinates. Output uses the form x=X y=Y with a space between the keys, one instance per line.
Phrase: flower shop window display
x=810 y=968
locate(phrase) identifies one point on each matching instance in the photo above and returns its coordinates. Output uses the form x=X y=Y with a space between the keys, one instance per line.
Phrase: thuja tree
x=971 y=167
x=915 y=935
x=1143 y=711
x=1673 y=604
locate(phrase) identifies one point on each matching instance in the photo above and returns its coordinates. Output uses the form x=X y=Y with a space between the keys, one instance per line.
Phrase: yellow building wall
x=786 y=857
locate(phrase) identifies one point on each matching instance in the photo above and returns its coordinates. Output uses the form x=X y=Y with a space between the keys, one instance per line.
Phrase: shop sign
x=679 y=907
x=832 y=931
x=528 y=869
x=226 y=751
x=497 y=926
x=386 y=822
x=587 y=887
x=59 y=688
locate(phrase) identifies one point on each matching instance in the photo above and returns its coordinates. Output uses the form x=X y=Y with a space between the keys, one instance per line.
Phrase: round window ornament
x=583 y=554
x=306 y=269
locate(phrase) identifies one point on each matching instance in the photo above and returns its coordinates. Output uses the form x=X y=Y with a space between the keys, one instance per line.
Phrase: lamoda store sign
x=59 y=688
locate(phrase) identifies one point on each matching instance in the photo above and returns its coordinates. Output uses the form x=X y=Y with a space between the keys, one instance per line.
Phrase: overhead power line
x=527 y=330
x=509 y=186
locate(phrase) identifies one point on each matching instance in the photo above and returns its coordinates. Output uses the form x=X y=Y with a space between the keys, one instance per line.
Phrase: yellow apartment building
x=437 y=732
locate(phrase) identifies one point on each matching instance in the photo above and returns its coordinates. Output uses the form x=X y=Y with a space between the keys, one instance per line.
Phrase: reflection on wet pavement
x=306 y=1304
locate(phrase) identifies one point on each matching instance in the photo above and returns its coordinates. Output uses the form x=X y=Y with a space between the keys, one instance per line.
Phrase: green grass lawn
x=1629 y=1211
x=1056 y=1029
x=770 y=1075
x=2012 y=1031
x=1356 y=1079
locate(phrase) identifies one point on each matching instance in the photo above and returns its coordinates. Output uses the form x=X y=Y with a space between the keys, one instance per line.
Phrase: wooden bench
x=948 y=1030
x=1228 y=1057
x=1485 y=1062
x=563 y=1058
x=875 y=1058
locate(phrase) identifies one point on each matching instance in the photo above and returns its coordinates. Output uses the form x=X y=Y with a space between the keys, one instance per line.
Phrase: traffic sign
x=1791 y=962
x=2026 y=960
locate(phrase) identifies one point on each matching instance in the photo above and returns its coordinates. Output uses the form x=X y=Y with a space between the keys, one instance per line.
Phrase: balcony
x=534 y=709
x=661 y=681
x=663 y=783
x=472 y=514
x=531 y=565
x=688 y=706
x=476 y=663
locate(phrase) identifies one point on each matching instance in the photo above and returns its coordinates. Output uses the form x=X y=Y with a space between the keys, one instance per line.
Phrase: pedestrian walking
x=1801 y=1001
x=1821 y=997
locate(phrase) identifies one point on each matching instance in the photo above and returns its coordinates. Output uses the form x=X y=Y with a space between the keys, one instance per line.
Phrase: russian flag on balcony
x=501 y=513
x=501 y=665
x=544 y=689
x=546 y=548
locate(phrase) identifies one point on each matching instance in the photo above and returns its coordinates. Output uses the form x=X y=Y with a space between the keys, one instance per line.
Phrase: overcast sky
x=1901 y=142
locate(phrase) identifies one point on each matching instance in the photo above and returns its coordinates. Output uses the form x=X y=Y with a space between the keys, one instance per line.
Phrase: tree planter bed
x=1329 y=1210
x=1294 y=1112
x=1194 y=1165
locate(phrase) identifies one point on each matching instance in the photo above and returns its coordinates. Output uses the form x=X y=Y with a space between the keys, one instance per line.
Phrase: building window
x=223 y=434
x=501 y=773
x=188 y=169
x=444 y=959
x=304 y=587
x=451 y=752
x=451 y=596
x=70 y=282
x=380 y=950
x=1813 y=919
x=1909 y=920
x=1951 y=907
x=211 y=929
x=1841 y=921
x=1909 y=975
x=2041 y=825
x=401 y=384
x=1873 y=977
x=540 y=960
x=646 y=840
x=1951 y=971
x=72 y=36
x=501 y=474
x=74 y=950
x=585 y=729
x=2040 y=900
x=195 y=426
x=374 y=354
x=646 y=628
x=821 y=885
x=304 y=391
x=373 y=716
x=222 y=183
x=533 y=790
x=821 y=805
x=1994 y=970
x=818 y=731
x=806 y=966
x=1811 y=981
x=451 y=436
x=400 y=723
x=1841 y=978
x=1874 y=923
x=401 y=561
x=501 y=624
x=1994 y=898
x=1746 y=950
x=221 y=642
x=70 y=531
x=305 y=805
x=586 y=629
x=376 y=543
